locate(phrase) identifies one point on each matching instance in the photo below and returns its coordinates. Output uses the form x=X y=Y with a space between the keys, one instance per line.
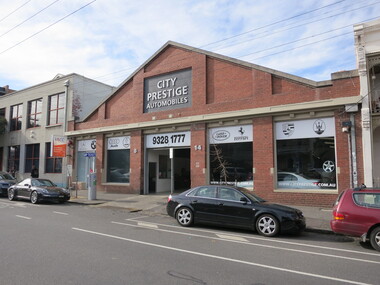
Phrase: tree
x=221 y=163
x=3 y=125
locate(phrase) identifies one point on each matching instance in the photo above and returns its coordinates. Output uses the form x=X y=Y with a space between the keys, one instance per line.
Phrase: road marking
x=4 y=205
x=136 y=218
x=152 y=226
x=272 y=240
x=236 y=238
x=222 y=258
x=256 y=244
x=60 y=213
x=23 y=217
x=21 y=205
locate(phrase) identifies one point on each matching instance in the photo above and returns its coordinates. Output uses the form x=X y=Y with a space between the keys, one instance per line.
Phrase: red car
x=356 y=212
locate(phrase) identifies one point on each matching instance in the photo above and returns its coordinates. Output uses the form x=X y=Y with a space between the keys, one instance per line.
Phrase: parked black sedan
x=36 y=190
x=233 y=207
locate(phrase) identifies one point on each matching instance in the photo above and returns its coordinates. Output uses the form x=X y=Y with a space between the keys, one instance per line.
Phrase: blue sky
x=107 y=40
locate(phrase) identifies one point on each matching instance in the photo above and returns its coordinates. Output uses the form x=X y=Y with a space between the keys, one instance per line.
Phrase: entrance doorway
x=182 y=169
x=85 y=167
x=165 y=174
x=152 y=177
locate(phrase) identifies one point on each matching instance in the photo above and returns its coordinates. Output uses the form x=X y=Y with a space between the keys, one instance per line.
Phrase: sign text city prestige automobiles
x=166 y=92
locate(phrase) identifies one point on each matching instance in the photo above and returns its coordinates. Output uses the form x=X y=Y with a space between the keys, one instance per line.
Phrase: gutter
x=253 y=112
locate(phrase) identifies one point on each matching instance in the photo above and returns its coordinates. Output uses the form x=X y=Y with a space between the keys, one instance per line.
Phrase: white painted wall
x=89 y=91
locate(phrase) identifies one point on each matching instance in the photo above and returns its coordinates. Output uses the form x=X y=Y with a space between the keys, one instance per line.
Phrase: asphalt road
x=78 y=244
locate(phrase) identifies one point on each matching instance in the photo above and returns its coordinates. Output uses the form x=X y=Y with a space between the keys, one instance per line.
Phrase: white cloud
x=109 y=38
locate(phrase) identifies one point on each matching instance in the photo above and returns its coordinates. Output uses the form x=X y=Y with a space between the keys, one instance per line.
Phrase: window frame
x=34 y=115
x=16 y=119
x=366 y=204
x=317 y=166
x=16 y=159
x=118 y=160
x=56 y=109
x=206 y=189
x=35 y=159
x=230 y=190
x=56 y=160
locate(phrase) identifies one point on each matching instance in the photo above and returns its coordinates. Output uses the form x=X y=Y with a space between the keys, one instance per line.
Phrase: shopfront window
x=306 y=154
x=231 y=156
x=118 y=160
x=85 y=159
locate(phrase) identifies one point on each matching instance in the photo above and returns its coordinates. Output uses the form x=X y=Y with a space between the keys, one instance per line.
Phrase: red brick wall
x=218 y=86
x=222 y=86
x=198 y=159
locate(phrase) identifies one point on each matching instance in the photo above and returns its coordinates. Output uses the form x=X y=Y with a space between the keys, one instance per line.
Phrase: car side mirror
x=244 y=199
x=27 y=185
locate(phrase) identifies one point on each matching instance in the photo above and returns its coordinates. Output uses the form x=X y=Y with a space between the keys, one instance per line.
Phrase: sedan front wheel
x=184 y=217
x=34 y=197
x=267 y=225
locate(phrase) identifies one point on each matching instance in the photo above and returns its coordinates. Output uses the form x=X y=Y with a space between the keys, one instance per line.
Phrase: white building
x=37 y=113
x=367 y=45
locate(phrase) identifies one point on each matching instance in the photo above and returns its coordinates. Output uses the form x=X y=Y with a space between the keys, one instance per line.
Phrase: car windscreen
x=41 y=182
x=6 y=176
x=250 y=195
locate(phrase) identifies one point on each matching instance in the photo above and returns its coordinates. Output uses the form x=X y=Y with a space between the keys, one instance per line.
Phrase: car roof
x=364 y=188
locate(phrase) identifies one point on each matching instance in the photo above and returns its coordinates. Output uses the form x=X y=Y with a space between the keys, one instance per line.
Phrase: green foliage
x=3 y=125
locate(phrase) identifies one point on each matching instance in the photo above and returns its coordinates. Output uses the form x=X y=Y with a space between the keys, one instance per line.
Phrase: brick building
x=189 y=117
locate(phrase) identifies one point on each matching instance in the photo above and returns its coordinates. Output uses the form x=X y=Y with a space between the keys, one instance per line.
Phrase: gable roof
x=298 y=79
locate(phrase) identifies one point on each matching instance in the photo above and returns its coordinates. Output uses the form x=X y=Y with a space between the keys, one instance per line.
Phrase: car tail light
x=338 y=216
x=169 y=198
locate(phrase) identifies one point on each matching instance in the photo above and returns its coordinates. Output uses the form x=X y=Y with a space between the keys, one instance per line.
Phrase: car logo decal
x=319 y=127
x=288 y=129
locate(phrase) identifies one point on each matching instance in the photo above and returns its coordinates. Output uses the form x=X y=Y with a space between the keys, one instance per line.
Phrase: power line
x=301 y=46
x=54 y=23
x=15 y=10
x=28 y=18
x=237 y=35
x=272 y=32
x=274 y=23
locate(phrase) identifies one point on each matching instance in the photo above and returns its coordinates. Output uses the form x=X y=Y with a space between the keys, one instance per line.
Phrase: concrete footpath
x=317 y=218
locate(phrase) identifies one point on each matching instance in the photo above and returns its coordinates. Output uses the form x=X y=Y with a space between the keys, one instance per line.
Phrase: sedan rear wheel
x=11 y=194
x=184 y=217
x=267 y=225
x=375 y=238
x=34 y=197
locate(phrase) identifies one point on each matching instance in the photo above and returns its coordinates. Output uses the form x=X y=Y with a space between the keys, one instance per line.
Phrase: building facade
x=35 y=114
x=367 y=45
x=189 y=117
